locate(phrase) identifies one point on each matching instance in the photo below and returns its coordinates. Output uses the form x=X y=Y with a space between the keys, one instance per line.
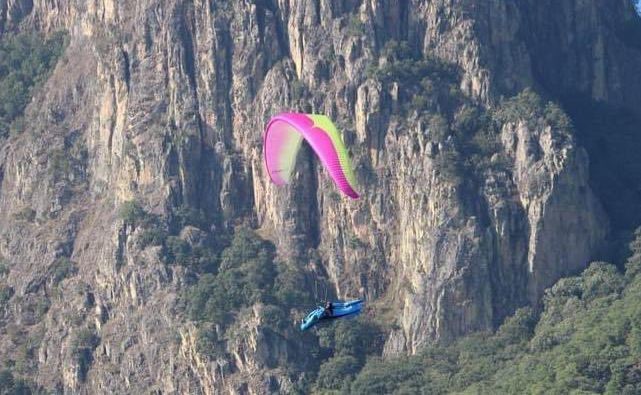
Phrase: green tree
x=246 y=275
x=26 y=60
x=6 y=292
x=61 y=269
x=9 y=385
x=133 y=214
x=337 y=372
x=187 y=215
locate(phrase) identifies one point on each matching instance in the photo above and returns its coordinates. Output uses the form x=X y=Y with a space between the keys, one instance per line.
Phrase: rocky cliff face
x=164 y=101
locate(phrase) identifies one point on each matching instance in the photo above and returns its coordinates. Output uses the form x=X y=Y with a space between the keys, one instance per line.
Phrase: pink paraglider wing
x=282 y=141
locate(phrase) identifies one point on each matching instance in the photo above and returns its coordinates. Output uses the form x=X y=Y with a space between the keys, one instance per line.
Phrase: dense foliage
x=10 y=385
x=429 y=84
x=25 y=61
x=586 y=339
x=61 y=269
x=245 y=276
x=247 y=273
x=345 y=346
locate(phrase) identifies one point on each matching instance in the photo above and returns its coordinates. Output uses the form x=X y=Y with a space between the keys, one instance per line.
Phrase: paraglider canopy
x=282 y=141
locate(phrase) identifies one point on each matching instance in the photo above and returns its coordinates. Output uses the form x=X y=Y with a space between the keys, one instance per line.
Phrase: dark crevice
x=148 y=36
x=188 y=46
x=210 y=173
x=404 y=20
x=3 y=16
x=224 y=76
x=304 y=213
x=260 y=21
x=126 y=68
x=172 y=164
x=317 y=10
x=507 y=279
x=283 y=41
x=15 y=14
x=112 y=126
x=120 y=249
x=191 y=67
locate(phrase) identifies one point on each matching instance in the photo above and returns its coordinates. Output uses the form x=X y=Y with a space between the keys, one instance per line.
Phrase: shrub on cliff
x=25 y=61
x=245 y=276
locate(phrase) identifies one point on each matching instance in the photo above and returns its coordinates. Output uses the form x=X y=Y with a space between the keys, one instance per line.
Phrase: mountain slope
x=140 y=156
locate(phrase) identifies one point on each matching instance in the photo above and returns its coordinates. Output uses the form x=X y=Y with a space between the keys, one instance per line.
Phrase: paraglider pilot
x=329 y=309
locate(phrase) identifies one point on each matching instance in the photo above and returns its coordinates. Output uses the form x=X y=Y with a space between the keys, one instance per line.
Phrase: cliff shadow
x=611 y=136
